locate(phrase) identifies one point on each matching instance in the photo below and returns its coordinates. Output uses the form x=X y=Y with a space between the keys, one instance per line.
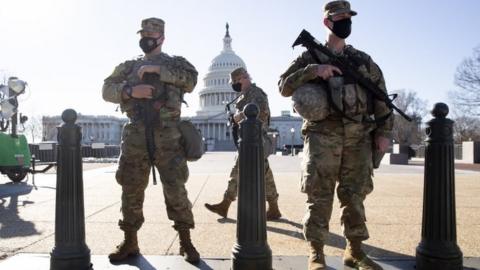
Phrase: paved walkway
x=394 y=210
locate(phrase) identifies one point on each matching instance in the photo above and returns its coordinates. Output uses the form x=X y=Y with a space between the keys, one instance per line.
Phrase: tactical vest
x=167 y=98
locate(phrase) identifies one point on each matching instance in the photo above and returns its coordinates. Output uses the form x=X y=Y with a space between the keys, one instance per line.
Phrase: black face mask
x=237 y=87
x=148 y=44
x=342 y=28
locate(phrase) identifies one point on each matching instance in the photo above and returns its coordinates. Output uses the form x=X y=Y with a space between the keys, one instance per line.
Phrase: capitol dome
x=217 y=91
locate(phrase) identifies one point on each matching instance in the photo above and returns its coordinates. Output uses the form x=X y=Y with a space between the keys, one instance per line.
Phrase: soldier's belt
x=169 y=123
x=158 y=124
x=337 y=117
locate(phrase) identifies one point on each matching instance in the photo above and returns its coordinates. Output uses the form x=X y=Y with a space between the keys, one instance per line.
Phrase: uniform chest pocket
x=350 y=98
x=362 y=98
x=173 y=97
x=355 y=99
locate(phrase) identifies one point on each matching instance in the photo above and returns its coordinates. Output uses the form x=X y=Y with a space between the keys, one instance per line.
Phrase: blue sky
x=64 y=49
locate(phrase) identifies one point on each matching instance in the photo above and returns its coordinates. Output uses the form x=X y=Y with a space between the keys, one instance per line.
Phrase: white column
x=222 y=133
x=215 y=131
x=96 y=127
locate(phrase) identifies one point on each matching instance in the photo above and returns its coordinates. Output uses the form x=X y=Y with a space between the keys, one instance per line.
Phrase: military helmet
x=311 y=102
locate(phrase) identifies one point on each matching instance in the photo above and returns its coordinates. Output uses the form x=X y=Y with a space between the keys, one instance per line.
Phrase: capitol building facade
x=95 y=128
x=211 y=118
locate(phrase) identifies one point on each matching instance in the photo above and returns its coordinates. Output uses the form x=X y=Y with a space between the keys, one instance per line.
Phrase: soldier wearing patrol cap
x=159 y=100
x=249 y=93
x=338 y=147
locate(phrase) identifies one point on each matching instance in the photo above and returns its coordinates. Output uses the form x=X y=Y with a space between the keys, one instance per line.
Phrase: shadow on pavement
x=334 y=240
x=11 y=225
x=338 y=241
x=203 y=265
x=387 y=257
x=292 y=233
x=227 y=220
x=142 y=263
x=138 y=261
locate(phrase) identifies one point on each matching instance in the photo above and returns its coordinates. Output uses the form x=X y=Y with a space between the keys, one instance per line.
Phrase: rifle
x=147 y=113
x=308 y=41
x=231 y=121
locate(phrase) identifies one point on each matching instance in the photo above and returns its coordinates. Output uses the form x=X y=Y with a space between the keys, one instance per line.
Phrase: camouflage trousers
x=270 y=188
x=134 y=170
x=336 y=152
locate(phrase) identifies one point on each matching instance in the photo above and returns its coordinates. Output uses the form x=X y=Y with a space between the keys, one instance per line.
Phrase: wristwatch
x=128 y=90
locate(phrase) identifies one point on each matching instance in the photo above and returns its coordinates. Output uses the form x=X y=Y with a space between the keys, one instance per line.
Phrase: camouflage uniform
x=177 y=76
x=254 y=95
x=337 y=149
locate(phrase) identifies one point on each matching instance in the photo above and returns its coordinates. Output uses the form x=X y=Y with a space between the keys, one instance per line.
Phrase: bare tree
x=33 y=128
x=405 y=132
x=467 y=78
x=466 y=129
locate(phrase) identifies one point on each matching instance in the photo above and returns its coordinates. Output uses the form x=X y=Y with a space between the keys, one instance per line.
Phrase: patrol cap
x=236 y=73
x=152 y=25
x=333 y=8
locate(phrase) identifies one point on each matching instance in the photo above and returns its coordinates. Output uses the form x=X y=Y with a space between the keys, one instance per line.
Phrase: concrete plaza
x=394 y=213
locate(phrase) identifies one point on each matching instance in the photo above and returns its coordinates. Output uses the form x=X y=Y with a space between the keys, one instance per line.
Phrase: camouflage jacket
x=177 y=76
x=256 y=96
x=355 y=97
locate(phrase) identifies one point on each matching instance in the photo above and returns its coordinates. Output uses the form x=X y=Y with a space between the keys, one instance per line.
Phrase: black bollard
x=251 y=251
x=438 y=249
x=70 y=251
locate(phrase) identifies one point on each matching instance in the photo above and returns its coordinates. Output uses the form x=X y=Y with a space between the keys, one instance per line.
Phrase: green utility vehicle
x=15 y=157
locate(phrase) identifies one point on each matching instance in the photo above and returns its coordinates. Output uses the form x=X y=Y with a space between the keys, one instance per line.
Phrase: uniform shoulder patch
x=357 y=54
x=260 y=90
x=307 y=57
x=128 y=65
x=183 y=63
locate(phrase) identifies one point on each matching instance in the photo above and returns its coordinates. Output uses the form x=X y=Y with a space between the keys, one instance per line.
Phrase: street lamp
x=292 y=130
x=9 y=102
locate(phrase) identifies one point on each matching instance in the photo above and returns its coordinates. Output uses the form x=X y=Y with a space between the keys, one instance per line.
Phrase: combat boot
x=273 y=213
x=316 y=260
x=187 y=250
x=128 y=247
x=220 y=208
x=355 y=257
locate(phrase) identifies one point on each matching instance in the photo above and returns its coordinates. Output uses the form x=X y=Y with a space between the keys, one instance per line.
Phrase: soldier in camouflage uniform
x=174 y=77
x=250 y=93
x=338 y=149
